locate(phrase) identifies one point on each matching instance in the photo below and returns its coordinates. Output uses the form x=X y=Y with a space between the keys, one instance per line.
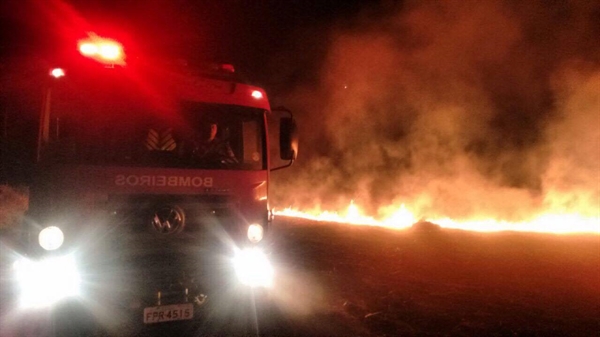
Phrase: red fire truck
x=149 y=200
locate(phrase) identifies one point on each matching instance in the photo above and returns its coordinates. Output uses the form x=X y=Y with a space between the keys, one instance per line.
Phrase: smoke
x=456 y=108
x=572 y=177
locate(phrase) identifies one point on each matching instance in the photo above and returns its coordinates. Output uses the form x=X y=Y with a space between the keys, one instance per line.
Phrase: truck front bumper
x=46 y=281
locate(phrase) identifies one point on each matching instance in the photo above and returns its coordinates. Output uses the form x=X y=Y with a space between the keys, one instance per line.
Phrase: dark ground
x=363 y=281
x=436 y=282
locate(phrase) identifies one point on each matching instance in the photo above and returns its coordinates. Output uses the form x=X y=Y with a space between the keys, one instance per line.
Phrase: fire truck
x=150 y=198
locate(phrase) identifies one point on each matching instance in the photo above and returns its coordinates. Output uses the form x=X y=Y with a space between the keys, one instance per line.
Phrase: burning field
x=479 y=122
x=482 y=116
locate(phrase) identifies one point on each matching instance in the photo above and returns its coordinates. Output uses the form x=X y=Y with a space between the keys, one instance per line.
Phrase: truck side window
x=252 y=144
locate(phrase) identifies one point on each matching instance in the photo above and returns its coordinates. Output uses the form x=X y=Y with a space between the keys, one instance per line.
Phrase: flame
x=402 y=217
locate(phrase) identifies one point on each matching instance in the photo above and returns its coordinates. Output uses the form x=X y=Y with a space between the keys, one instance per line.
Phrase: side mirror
x=288 y=138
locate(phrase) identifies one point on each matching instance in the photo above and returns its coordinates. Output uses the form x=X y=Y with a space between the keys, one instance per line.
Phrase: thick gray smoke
x=456 y=108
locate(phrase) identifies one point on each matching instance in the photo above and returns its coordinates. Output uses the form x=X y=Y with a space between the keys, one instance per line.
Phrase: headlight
x=255 y=233
x=47 y=281
x=253 y=268
x=51 y=238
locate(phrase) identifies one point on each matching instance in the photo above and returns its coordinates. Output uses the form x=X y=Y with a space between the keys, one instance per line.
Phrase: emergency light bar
x=102 y=50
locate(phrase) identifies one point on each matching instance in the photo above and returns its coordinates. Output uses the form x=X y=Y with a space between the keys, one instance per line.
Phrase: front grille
x=134 y=214
x=144 y=260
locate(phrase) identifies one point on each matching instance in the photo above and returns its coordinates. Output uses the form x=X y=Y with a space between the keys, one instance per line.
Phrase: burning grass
x=402 y=217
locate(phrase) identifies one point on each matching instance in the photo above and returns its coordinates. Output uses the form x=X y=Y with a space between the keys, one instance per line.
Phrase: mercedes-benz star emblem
x=168 y=220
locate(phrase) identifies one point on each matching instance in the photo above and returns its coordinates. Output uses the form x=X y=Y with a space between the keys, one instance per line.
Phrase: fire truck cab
x=150 y=193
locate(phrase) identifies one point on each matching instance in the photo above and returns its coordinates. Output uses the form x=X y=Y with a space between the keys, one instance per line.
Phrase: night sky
x=454 y=107
x=249 y=34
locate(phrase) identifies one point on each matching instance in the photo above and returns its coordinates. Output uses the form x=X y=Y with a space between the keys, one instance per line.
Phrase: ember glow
x=403 y=217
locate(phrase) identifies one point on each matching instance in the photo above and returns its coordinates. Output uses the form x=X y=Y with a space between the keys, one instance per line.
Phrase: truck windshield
x=117 y=129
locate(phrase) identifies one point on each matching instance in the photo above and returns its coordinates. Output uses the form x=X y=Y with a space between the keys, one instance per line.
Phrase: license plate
x=167 y=313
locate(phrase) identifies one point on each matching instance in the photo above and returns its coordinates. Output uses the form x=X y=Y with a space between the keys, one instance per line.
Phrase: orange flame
x=402 y=217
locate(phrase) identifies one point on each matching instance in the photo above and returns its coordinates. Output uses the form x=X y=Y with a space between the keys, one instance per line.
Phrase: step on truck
x=149 y=201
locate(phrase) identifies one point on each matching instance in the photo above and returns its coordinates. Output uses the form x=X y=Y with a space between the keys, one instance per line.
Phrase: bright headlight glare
x=253 y=268
x=51 y=238
x=47 y=281
x=255 y=233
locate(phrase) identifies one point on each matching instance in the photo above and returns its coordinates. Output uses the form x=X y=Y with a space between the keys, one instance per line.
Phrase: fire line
x=403 y=218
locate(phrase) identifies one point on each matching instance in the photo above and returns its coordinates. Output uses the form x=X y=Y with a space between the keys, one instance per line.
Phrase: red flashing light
x=88 y=49
x=102 y=50
x=57 y=72
x=110 y=51
x=257 y=94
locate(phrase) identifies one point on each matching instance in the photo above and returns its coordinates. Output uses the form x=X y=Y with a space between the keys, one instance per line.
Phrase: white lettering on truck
x=161 y=181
